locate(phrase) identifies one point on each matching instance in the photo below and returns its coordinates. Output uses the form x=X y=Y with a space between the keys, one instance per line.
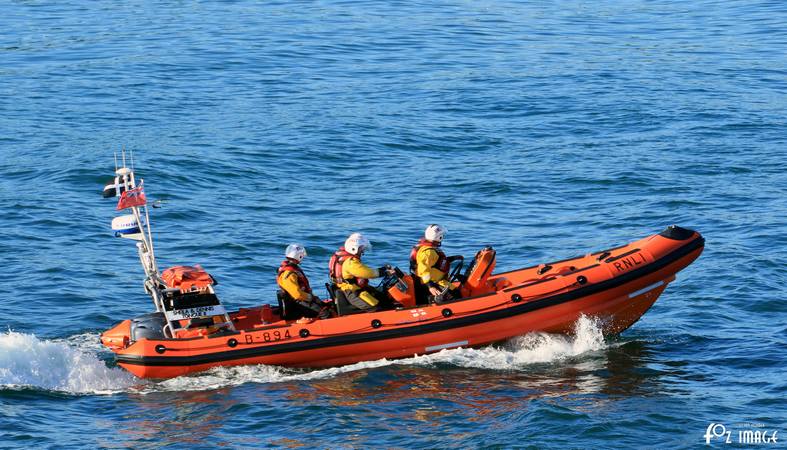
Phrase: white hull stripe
x=451 y=345
x=645 y=289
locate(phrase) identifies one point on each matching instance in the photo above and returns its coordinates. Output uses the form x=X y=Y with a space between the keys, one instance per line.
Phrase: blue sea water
x=547 y=130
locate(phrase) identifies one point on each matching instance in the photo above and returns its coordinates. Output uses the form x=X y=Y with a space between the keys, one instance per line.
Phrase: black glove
x=382 y=270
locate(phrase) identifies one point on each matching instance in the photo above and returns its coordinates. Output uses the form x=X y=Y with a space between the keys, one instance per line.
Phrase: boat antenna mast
x=132 y=226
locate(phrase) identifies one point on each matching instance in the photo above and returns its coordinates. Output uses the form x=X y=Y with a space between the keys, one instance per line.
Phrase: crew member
x=352 y=276
x=301 y=302
x=430 y=265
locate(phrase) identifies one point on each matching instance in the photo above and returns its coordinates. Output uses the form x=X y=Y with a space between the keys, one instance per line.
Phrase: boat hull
x=615 y=286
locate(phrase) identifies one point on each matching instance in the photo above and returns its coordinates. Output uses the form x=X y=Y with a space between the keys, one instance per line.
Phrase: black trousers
x=295 y=309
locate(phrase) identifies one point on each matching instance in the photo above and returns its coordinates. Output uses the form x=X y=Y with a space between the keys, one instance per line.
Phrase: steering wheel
x=390 y=279
x=454 y=275
x=387 y=281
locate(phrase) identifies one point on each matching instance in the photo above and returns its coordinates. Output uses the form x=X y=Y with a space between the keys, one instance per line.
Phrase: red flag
x=132 y=197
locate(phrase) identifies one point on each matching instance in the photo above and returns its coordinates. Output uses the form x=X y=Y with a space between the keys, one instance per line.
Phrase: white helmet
x=296 y=252
x=357 y=244
x=434 y=233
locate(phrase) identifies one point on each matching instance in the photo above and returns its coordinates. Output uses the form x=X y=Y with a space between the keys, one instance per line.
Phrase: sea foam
x=58 y=365
x=517 y=354
x=72 y=365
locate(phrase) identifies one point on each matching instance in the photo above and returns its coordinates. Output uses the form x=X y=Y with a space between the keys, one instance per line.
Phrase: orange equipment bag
x=406 y=297
x=187 y=278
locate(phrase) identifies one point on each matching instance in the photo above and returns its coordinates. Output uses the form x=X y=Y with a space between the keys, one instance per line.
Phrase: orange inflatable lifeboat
x=192 y=332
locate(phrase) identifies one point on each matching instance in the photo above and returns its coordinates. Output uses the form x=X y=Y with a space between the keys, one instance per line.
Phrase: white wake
x=57 y=365
x=525 y=350
x=72 y=365
x=517 y=354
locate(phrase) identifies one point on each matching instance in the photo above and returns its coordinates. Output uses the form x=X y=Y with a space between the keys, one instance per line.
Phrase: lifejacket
x=187 y=278
x=335 y=269
x=442 y=264
x=289 y=266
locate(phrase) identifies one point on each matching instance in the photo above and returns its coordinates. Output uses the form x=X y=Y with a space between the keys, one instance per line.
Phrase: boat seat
x=343 y=307
x=288 y=308
x=292 y=309
x=421 y=292
x=478 y=273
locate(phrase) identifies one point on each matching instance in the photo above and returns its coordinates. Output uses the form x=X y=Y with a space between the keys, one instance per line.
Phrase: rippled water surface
x=545 y=130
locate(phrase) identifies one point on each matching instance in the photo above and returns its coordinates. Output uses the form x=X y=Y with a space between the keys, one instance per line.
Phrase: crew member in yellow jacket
x=352 y=276
x=300 y=301
x=429 y=263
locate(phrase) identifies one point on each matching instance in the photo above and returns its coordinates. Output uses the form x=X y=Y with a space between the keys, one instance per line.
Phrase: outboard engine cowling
x=150 y=326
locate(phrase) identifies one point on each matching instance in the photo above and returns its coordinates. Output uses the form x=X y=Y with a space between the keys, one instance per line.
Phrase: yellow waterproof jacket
x=353 y=268
x=425 y=259
x=288 y=281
